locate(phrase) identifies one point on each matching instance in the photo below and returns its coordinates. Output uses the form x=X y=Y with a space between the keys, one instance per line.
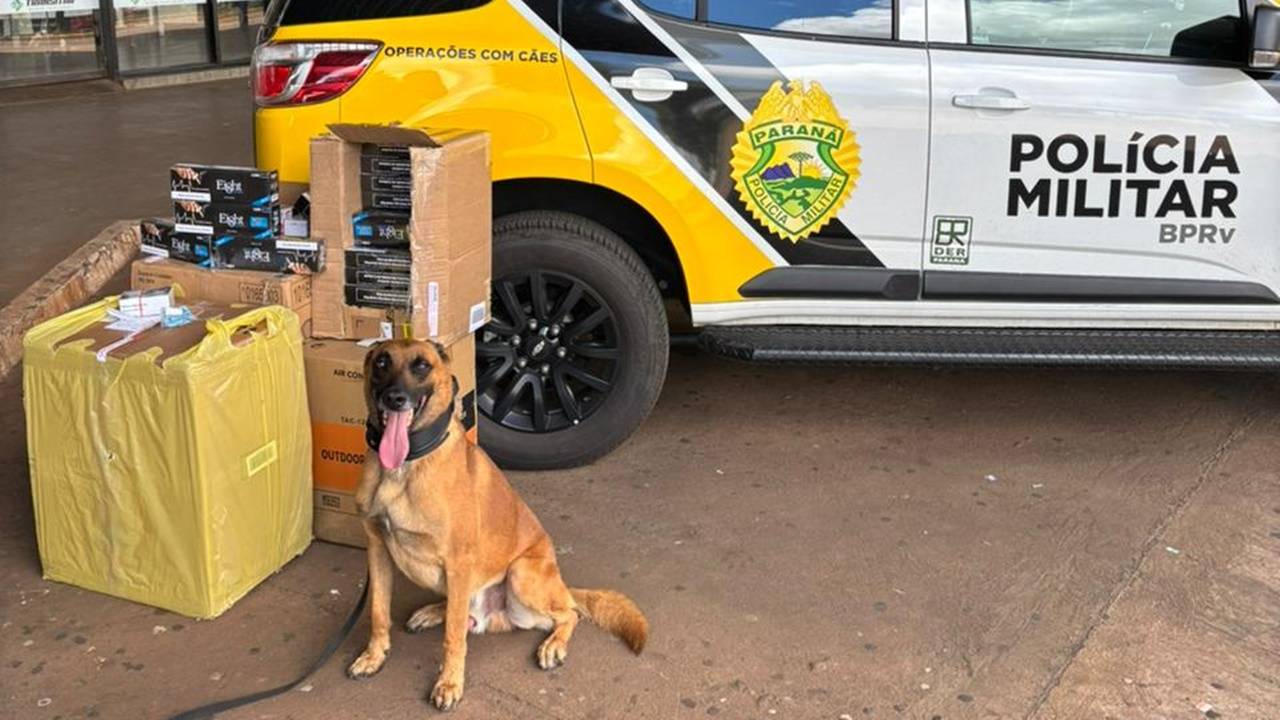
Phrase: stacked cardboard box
x=421 y=270
x=448 y=228
x=335 y=394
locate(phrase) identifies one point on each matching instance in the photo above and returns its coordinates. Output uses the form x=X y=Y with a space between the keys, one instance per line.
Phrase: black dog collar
x=421 y=441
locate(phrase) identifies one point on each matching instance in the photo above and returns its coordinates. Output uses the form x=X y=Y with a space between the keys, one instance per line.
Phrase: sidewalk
x=124 y=143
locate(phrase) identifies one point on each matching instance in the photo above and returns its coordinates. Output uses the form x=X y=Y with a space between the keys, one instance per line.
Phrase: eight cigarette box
x=224 y=184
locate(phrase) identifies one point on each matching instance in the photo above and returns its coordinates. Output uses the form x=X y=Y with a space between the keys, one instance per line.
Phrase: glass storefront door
x=44 y=41
x=154 y=34
x=40 y=44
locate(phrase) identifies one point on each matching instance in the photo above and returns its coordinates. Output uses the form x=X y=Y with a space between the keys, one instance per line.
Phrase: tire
x=557 y=363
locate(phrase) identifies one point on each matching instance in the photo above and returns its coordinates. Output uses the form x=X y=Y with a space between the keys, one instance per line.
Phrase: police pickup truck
x=980 y=181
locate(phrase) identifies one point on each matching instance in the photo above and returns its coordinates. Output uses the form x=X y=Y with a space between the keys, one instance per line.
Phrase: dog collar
x=421 y=441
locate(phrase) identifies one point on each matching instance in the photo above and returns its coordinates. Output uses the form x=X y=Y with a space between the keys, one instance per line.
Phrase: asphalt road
x=807 y=543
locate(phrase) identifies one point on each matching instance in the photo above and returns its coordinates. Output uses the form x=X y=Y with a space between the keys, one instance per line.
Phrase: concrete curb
x=67 y=285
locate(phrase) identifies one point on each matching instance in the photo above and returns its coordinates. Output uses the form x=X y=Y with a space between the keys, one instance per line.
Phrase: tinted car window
x=849 y=18
x=1161 y=28
x=679 y=8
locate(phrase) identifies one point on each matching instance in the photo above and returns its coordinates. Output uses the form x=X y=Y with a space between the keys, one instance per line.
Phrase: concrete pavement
x=73 y=165
x=807 y=542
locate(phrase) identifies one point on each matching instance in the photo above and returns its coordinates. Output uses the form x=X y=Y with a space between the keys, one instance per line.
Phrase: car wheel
x=575 y=355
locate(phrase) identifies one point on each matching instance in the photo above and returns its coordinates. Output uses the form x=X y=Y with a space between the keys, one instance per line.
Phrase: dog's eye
x=420 y=367
x=382 y=362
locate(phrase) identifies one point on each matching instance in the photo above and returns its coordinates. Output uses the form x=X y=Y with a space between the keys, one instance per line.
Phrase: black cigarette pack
x=356 y=276
x=155 y=232
x=300 y=257
x=397 y=152
x=159 y=238
x=384 y=183
x=386 y=165
x=386 y=200
x=381 y=228
x=212 y=218
x=224 y=184
x=378 y=296
x=380 y=259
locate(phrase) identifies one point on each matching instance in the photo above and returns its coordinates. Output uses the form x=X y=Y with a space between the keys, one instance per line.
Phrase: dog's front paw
x=447 y=694
x=367 y=665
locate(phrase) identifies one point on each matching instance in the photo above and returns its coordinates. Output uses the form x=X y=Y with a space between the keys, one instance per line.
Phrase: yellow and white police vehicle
x=979 y=181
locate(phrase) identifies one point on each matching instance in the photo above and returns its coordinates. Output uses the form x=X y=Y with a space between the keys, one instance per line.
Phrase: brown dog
x=437 y=506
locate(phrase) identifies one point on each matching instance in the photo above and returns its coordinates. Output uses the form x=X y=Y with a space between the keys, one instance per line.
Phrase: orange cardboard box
x=335 y=394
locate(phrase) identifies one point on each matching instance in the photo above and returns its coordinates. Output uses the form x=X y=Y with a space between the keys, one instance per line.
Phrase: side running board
x=1246 y=350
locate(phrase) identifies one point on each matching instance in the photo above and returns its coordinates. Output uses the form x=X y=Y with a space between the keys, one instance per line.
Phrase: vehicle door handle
x=986 y=101
x=649 y=84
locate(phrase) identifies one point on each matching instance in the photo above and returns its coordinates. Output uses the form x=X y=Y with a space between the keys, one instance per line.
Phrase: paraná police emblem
x=795 y=163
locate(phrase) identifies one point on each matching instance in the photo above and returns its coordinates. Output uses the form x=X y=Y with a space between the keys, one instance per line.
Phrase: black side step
x=1244 y=350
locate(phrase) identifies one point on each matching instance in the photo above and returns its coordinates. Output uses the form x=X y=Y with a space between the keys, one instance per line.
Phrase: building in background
x=48 y=41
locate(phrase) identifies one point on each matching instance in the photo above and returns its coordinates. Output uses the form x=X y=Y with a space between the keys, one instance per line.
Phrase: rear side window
x=1205 y=29
x=845 y=18
x=678 y=8
x=304 y=12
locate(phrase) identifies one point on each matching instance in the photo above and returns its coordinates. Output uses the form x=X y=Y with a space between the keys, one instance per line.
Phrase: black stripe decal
x=697 y=122
x=822 y=281
x=1019 y=287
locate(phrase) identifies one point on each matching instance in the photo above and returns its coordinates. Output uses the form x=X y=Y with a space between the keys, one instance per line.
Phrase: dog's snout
x=395 y=399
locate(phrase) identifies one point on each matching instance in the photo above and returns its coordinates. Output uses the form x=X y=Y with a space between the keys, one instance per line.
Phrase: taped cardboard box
x=450 y=230
x=227 y=286
x=174 y=469
x=335 y=390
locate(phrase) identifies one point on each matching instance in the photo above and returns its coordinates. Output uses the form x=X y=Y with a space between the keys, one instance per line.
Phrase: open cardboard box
x=450 y=232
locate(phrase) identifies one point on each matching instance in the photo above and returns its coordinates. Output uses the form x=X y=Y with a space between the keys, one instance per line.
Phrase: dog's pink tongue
x=394 y=447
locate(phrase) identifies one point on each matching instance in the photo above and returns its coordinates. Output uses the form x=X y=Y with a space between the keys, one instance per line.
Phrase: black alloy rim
x=549 y=357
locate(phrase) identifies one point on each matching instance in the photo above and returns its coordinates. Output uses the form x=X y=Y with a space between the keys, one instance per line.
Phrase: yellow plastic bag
x=181 y=483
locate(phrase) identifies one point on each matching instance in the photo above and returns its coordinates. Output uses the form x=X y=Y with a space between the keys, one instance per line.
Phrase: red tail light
x=296 y=73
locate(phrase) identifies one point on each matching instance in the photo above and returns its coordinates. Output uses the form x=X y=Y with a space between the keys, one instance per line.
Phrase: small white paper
x=433 y=309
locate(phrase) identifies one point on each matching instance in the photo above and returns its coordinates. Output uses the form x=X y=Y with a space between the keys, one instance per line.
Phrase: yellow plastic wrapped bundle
x=176 y=470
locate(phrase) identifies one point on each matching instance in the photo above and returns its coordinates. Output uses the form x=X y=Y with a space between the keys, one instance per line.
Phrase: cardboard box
x=450 y=230
x=160 y=239
x=335 y=394
x=227 y=286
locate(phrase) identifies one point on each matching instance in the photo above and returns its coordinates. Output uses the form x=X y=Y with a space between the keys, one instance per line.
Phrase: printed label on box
x=477 y=317
x=433 y=309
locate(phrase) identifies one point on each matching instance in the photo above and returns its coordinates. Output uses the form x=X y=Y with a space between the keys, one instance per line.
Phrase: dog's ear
x=444 y=356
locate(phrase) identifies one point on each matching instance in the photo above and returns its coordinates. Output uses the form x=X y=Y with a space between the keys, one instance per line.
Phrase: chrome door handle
x=986 y=101
x=649 y=84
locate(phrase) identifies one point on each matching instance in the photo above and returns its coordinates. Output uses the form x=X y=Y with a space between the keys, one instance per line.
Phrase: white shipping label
x=194 y=229
x=153 y=250
x=477 y=317
x=192 y=195
x=305 y=245
x=433 y=309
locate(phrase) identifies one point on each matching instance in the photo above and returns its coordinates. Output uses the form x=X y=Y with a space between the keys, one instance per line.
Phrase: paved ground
x=71 y=166
x=807 y=542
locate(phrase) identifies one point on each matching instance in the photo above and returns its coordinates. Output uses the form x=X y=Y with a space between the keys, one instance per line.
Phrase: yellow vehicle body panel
x=499 y=73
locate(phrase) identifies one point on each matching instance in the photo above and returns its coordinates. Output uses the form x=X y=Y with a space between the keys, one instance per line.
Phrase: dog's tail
x=615 y=613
